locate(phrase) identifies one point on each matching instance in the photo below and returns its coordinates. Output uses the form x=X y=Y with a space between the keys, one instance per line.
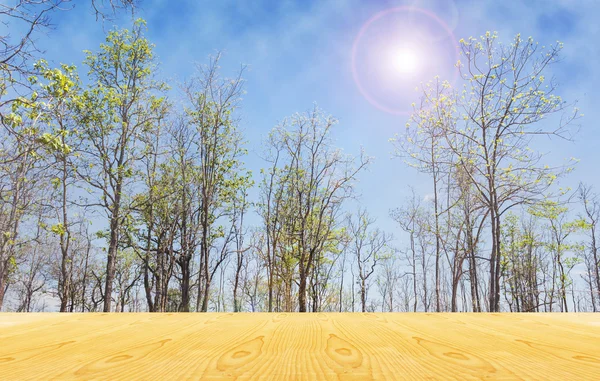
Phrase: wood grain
x=291 y=346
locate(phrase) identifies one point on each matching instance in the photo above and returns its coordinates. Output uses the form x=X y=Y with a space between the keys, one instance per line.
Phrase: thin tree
x=119 y=105
x=591 y=216
x=369 y=246
x=212 y=101
x=318 y=179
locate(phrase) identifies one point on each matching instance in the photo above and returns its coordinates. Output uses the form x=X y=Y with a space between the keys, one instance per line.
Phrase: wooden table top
x=292 y=346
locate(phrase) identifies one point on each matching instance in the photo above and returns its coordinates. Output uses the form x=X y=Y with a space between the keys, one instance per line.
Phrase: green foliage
x=123 y=102
x=53 y=143
x=102 y=234
x=58 y=229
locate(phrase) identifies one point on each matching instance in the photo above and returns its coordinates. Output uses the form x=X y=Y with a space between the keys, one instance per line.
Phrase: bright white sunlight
x=404 y=60
x=299 y=190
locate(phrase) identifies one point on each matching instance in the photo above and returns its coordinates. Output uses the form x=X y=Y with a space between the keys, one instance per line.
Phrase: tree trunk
x=595 y=265
x=494 y=292
x=64 y=283
x=3 y=284
x=341 y=291
x=85 y=269
x=414 y=268
x=424 y=269
x=473 y=280
x=110 y=263
x=205 y=259
x=453 y=305
x=270 y=264
x=363 y=295
x=437 y=231
x=185 y=283
x=302 y=290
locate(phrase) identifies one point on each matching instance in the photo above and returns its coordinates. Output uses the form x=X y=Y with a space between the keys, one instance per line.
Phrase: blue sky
x=299 y=53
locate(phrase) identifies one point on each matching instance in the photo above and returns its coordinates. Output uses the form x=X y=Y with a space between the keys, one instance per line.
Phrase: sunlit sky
x=358 y=60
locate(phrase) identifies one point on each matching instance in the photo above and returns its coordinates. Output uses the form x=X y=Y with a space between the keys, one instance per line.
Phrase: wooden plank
x=292 y=346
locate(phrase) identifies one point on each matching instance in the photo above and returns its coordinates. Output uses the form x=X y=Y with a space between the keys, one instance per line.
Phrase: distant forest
x=165 y=179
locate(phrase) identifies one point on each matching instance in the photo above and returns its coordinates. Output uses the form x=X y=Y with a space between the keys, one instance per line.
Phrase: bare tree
x=424 y=147
x=591 y=216
x=368 y=246
x=240 y=206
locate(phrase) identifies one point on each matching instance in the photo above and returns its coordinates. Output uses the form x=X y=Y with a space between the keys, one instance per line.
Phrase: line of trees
x=165 y=183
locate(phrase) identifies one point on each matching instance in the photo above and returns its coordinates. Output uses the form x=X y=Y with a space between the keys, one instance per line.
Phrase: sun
x=404 y=61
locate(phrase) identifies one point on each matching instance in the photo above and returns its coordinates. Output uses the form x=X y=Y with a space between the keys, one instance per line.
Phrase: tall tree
x=424 y=147
x=559 y=230
x=123 y=101
x=490 y=125
x=591 y=216
x=317 y=179
x=506 y=97
x=60 y=95
x=239 y=209
x=185 y=188
x=369 y=247
x=415 y=220
x=211 y=101
x=271 y=204
x=21 y=170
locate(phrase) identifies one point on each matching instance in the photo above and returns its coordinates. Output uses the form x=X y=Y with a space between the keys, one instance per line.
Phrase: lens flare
x=398 y=49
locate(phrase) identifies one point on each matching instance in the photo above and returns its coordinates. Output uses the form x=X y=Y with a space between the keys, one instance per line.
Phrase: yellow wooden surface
x=290 y=346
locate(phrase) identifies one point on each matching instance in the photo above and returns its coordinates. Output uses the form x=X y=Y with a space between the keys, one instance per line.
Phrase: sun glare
x=396 y=50
x=405 y=61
